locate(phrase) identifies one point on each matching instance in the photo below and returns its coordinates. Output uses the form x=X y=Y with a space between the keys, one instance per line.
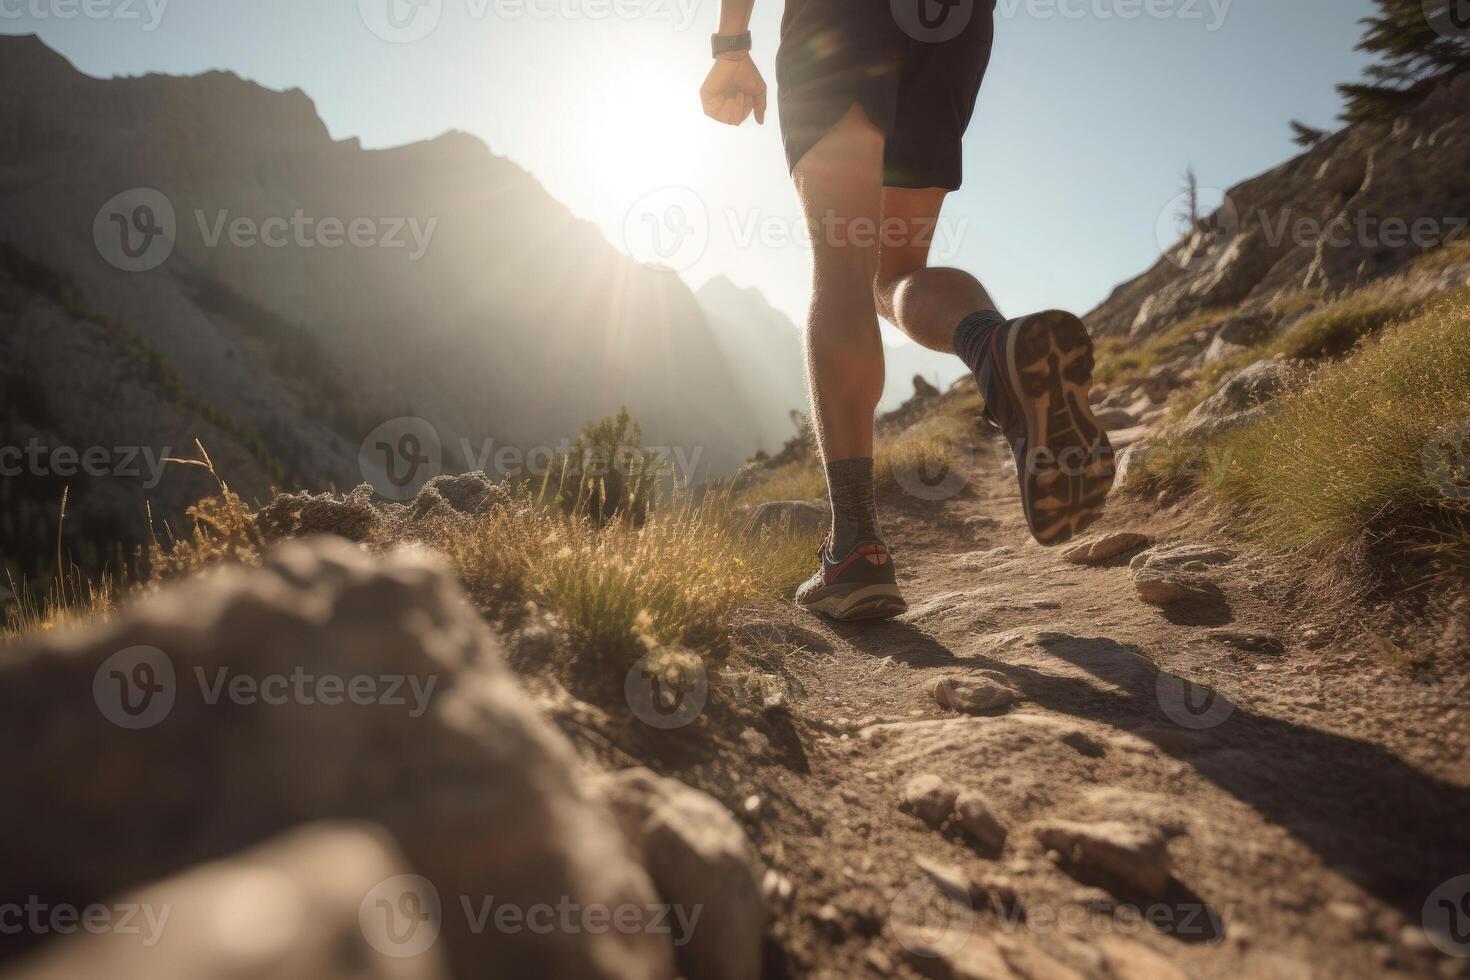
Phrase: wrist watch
x=726 y=43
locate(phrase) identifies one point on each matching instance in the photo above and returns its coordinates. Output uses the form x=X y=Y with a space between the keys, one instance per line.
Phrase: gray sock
x=854 y=511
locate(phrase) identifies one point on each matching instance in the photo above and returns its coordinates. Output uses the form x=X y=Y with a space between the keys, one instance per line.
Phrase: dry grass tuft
x=1373 y=456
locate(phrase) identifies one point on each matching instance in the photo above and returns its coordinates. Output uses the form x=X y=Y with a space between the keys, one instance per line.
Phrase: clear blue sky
x=1084 y=126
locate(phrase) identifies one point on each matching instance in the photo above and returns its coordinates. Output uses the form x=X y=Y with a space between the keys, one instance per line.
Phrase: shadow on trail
x=1395 y=831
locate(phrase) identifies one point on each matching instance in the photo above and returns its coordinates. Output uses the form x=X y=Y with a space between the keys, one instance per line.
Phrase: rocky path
x=1037 y=773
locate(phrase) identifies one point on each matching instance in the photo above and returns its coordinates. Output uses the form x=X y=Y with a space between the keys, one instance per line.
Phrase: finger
x=760 y=108
x=731 y=115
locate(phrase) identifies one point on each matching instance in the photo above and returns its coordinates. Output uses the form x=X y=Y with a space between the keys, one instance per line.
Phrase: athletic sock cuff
x=972 y=337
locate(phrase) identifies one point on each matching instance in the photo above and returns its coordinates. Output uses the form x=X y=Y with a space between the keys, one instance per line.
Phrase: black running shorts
x=915 y=66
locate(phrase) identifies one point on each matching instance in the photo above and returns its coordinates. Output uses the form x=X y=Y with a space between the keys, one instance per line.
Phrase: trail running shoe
x=860 y=586
x=1036 y=382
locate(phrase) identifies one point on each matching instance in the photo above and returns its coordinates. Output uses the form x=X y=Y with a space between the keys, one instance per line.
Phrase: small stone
x=1350 y=914
x=974 y=695
x=1100 y=549
x=776 y=886
x=998 y=891
x=878 y=961
x=949 y=879
x=978 y=821
x=1134 y=854
x=930 y=799
x=1085 y=744
x=755 y=742
x=752 y=805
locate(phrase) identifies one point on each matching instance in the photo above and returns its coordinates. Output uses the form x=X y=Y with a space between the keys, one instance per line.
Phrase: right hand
x=733 y=89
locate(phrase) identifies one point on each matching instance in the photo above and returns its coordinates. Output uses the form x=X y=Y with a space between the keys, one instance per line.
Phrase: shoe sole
x=1067 y=469
x=859 y=602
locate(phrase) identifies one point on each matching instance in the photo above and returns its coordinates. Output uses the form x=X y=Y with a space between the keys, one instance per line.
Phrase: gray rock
x=1132 y=462
x=295 y=515
x=702 y=865
x=1249 y=387
x=296 y=908
x=134 y=768
x=1101 y=548
x=1133 y=854
x=1222 y=350
x=978 y=695
x=800 y=516
x=978 y=821
x=931 y=800
x=1176 y=573
x=1116 y=418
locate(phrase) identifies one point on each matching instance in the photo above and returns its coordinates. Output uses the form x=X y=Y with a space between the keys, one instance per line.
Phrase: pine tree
x=1304 y=135
x=1419 y=43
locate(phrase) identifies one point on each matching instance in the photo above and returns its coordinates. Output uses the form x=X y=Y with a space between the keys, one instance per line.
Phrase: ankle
x=972 y=337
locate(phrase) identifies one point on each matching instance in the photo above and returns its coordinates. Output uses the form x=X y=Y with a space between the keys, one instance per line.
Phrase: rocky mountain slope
x=299 y=291
x=1356 y=207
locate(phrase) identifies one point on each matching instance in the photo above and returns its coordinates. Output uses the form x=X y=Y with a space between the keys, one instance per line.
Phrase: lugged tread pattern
x=1068 y=468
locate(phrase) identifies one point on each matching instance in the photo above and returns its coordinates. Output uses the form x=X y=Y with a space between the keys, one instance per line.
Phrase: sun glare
x=646 y=132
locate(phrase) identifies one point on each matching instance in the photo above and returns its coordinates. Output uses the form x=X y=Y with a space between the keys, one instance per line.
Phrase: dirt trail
x=1311 y=796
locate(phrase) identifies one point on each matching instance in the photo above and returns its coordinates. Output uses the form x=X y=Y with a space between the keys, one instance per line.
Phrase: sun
x=646 y=131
